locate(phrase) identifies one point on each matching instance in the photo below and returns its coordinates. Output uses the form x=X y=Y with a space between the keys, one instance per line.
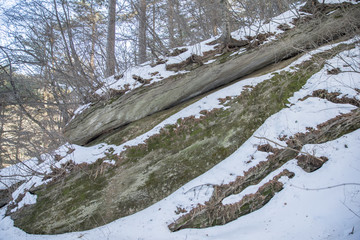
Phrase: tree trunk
x=2 y=124
x=170 y=13
x=110 y=43
x=142 y=31
x=77 y=63
x=93 y=22
x=225 y=28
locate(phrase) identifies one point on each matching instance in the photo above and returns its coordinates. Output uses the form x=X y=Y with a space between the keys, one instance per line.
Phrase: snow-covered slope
x=324 y=204
x=319 y=205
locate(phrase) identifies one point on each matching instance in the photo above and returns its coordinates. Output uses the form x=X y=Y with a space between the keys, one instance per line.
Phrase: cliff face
x=105 y=116
x=129 y=176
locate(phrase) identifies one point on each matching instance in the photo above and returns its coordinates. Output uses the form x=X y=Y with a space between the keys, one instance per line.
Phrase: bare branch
x=289 y=148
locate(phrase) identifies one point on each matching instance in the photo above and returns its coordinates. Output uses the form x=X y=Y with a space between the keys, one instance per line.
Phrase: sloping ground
x=326 y=198
x=119 y=111
x=144 y=174
x=304 y=103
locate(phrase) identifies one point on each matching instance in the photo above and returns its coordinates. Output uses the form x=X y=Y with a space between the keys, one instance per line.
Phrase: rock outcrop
x=105 y=116
x=89 y=195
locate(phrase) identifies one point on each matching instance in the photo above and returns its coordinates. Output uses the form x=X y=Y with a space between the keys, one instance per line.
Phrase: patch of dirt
x=192 y=60
x=310 y=163
x=334 y=97
x=58 y=173
x=210 y=214
x=158 y=62
x=258 y=40
x=140 y=79
x=334 y=71
x=284 y=27
x=177 y=52
x=234 y=45
x=267 y=148
x=118 y=77
x=302 y=19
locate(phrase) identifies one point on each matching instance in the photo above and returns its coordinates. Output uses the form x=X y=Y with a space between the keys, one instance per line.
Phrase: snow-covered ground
x=324 y=204
x=305 y=209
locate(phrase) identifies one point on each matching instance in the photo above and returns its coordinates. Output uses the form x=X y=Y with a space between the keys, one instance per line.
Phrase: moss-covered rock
x=146 y=173
x=139 y=103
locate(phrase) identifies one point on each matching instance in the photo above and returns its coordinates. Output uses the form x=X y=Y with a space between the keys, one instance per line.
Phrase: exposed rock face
x=105 y=116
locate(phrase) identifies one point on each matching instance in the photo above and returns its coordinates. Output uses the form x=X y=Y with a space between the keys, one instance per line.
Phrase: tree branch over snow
x=289 y=148
x=326 y=188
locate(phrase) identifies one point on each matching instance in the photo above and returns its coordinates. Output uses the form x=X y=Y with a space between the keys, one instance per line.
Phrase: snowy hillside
x=321 y=204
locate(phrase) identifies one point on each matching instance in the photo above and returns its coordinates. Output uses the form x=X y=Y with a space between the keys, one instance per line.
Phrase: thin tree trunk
x=93 y=42
x=170 y=13
x=2 y=123
x=71 y=42
x=62 y=34
x=142 y=31
x=18 y=137
x=226 y=30
x=110 y=44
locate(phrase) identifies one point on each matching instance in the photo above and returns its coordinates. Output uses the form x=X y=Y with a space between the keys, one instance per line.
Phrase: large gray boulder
x=105 y=116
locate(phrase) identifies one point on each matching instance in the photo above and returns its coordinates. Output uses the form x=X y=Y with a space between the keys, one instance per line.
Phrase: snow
x=346 y=82
x=270 y=27
x=300 y=116
x=22 y=171
x=111 y=162
x=319 y=205
x=81 y=109
x=27 y=200
x=294 y=213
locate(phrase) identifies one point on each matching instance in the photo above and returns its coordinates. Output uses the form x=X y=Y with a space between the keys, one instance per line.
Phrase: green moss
x=113 y=99
x=198 y=147
x=59 y=201
x=245 y=208
x=193 y=147
x=139 y=127
x=268 y=192
x=224 y=57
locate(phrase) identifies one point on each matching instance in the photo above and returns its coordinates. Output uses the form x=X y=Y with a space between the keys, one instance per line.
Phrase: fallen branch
x=325 y=188
x=289 y=148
